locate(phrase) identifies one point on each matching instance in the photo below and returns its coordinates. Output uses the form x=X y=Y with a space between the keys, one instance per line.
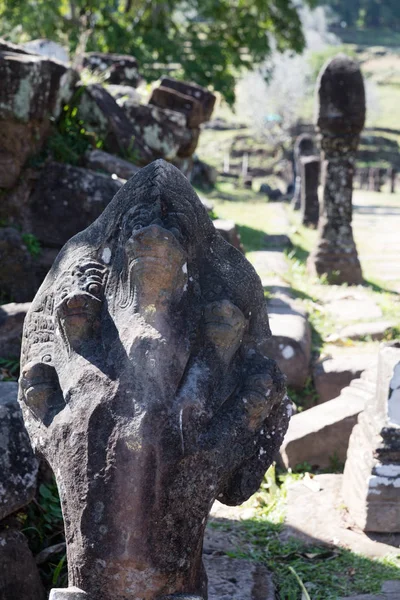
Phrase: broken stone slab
x=18 y=280
x=119 y=69
x=18 y=466
x=72 y=593
x=33 y=91
x=349 y=306
x=19 y=576
x=11 y=322
x=229 y=232
x=97 y=159
x=371 y=482
x=174 y=100
x=290 y=344
x=67 y=199
x=161 y=131
x=375 y=330
x=206 y=98
x=321 y=433
x=234 y=578
x=332 y=375
x=102 y=115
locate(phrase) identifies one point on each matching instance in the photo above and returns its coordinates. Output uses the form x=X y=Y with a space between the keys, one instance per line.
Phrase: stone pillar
x=341 y=116
x=371 y=483
x=145 y=382
x=310 y=168
x=304 y=146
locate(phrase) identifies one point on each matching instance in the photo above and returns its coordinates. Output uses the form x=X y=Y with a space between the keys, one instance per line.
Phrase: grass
x=326 y=572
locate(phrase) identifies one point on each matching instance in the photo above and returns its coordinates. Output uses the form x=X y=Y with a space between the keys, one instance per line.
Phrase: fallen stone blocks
x=11 y=321
x=332 y=375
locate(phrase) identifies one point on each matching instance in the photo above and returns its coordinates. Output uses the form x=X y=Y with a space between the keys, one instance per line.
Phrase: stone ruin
x=145 y=384
x=304 y=146
x=371 y=483
x=340 y=120
x=309 y=205
x=51 y=199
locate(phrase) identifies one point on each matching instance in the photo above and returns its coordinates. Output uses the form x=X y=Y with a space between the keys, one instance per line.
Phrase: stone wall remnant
x=304 y=146
x=340 y=120
x=146 y=384
x=310 y=169
x=371 y=481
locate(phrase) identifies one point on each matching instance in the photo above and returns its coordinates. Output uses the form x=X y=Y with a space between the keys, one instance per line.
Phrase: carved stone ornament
x=145 y=384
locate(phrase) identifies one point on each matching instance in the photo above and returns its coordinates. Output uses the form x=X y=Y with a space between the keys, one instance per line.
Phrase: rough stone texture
x=229 y=232
x=304 y=146
x=309 y=168
x=156 y=396
x=290 y=344
x=231 y=579
x=203 y=175
x=18 y=467
x=119 y=69
x=161 y=131
x=101 y=114
x=97 y=159
x=19 y=577
x=72 y=593
x=33 y=89
x=316 y=513
x=11 y=321
x=371 y=484
x=18 y=279
x=174 y=100
x=66 y=200
x=320 y=433
x=340 y=121
x=377 y=330
x=207 y=99
x=332 y=375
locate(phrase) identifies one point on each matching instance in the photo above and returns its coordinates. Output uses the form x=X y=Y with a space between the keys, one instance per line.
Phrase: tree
x=212 y=41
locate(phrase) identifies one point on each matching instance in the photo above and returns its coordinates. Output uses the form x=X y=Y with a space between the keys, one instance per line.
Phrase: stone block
x=102 y=115
x=322 y=432
x=332 y=375
x=290 y=344
x=18 y=466
x=161 y=131
x=18 y=280
x=371 y=483
x=234 y=578
x=72 y=593
x=119 y=69
x=33 y=90
x=114 y=165
x=229 y=232
x=11 y=321
x=309 y=168
x=19 y=576
x=206 y=98
x=66 y=200
x=174 y=100
x=375 y=330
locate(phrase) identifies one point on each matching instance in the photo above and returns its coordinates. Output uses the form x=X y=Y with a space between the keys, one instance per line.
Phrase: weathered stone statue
x=340 y=121
x=310 y=168
x=304 y=146
x=146 y=386
x=371 y=481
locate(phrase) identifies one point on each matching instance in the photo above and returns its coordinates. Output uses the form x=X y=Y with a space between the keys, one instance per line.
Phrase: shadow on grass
x=297 y=252
x=252 y=239
x=378 y=288
x=327 y=571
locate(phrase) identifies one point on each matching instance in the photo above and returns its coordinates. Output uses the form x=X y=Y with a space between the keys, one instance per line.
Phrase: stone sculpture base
x=72 y=593
x=371 y=482
x=338 y=267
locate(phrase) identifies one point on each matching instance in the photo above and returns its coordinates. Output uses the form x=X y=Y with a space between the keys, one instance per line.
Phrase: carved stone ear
x=41 y=391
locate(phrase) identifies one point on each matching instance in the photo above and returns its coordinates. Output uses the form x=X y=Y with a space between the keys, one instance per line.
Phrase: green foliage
x=318 y=59
x=42 y=524
x=210 y=42
x=366 y=13
x=32 y=244
x=9 y=369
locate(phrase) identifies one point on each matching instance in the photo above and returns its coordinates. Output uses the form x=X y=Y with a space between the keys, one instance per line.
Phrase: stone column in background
x=340 y=119
x=310 y=169
x=371 y=483
x=304 y=146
